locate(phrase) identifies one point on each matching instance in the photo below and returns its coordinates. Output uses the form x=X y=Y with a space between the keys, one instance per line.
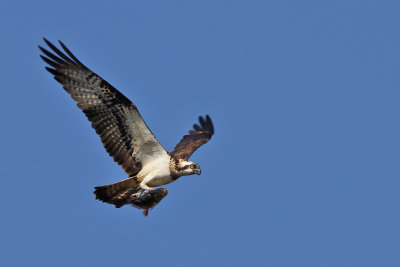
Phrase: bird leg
x=145 y=187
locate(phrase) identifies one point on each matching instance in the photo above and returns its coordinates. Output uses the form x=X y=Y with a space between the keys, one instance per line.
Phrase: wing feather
x=114 y=117
x=195 y=139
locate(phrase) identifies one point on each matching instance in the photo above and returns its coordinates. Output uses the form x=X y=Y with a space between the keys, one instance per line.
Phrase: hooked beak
x=197 y=171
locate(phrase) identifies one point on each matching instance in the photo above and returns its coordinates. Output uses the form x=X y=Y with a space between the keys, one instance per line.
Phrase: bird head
x=188 y=168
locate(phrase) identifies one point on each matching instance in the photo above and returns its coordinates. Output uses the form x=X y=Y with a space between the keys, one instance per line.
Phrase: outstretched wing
x=115 y=118
x=195 y=139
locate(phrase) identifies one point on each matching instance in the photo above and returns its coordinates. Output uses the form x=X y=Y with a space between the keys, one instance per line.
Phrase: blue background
x=303 y=169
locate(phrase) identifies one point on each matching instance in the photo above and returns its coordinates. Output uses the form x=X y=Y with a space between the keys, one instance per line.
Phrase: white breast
x=156 y=172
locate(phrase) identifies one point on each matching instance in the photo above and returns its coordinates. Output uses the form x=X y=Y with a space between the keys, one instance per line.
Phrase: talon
x=137 y=195
x=149 y=190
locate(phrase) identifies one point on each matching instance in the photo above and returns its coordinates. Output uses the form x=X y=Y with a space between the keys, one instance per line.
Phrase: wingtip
x=196 y=127
x=48 y=61
x=42 y=48
x=207 y=123
x=61 y=43
x=203 y=123
x=70 y=54
x=52 y=71
x=47 y=42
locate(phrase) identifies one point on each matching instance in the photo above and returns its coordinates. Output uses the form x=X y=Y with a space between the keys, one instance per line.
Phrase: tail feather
x=117 y=193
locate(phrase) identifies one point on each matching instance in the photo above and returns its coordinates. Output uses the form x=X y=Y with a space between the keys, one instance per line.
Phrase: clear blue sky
x=304 y=168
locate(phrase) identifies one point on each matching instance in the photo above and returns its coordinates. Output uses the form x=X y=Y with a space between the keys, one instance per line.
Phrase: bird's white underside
x=156 y=172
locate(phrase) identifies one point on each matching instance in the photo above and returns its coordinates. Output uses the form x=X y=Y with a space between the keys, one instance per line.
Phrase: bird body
x=156 y=172
x=123 y=131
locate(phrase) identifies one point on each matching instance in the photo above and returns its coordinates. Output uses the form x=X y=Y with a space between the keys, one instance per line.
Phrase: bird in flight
x=124 y=133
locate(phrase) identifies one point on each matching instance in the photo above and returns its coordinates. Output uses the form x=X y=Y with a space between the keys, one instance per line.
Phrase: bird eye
x=193 y=166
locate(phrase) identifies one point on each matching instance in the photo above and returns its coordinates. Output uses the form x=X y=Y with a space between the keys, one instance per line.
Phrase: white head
x=188 y=168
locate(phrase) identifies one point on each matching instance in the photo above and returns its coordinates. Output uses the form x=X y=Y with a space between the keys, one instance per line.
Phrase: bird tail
x=117 y=193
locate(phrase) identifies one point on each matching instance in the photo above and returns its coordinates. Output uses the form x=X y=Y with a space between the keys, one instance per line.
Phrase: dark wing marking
x=189 y=143
x=115 y=118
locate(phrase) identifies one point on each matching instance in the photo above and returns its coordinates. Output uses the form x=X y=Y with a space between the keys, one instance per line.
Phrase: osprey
x=123 y=131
